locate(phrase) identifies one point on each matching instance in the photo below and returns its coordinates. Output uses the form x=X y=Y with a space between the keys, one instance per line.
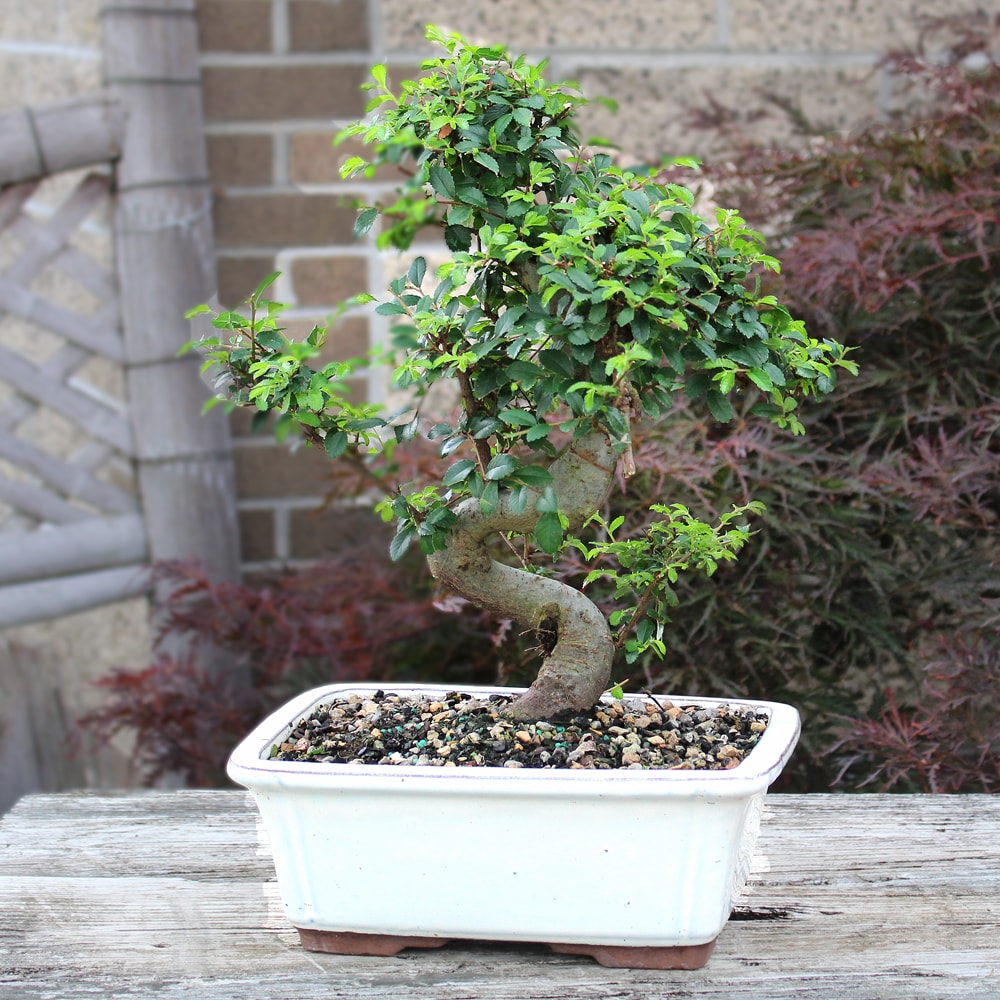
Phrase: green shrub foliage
x=869 y=597
x=877 y=570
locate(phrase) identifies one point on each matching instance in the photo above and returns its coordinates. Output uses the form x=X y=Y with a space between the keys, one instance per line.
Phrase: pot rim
x=250 y=766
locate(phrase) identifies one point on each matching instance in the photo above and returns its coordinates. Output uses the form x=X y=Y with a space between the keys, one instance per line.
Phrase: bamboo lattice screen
x=68 y=502
x=106 y=464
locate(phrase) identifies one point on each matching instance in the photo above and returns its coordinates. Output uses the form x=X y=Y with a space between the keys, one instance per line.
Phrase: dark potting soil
x=458 y=730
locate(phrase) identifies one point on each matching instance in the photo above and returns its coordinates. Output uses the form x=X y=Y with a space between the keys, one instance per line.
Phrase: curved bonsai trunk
x=572 y=631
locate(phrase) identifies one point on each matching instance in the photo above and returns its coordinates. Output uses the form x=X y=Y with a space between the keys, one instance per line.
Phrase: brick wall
x=281 y=76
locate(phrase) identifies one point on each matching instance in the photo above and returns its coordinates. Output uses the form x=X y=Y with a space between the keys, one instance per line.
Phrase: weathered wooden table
x=171 y=895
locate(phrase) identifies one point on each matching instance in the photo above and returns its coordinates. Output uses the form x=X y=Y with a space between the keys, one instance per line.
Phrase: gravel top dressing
x=458 y=730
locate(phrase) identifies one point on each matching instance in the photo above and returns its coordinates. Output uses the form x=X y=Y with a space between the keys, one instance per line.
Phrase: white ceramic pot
x=373 y=858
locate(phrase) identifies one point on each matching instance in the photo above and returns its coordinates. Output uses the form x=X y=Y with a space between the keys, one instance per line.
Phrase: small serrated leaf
x=549 y=532
x=459 y=472
x=335 y=443
x=487 y=161
x=501 y=466
x=401 y=542
x=364 y=222
x=415 y=275
x=719 y=406
x=442 y=181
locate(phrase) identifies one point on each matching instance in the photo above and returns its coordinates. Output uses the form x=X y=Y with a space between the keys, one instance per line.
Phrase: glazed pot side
x=549 y=855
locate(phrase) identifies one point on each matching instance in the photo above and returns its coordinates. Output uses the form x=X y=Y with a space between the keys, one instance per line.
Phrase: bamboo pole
x=86 y=546
x=165 y=266
x=65 y=595
x=59 y=135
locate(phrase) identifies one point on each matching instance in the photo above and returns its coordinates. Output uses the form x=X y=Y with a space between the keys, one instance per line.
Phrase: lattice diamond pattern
x=65 y=437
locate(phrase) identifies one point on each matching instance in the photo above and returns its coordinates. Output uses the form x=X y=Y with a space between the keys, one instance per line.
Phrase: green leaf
x=556 y=361
x=532 y=475
x=442 y=182
x=271 y=340
x=776 y=375
x=517 y=418
x=501 y=466
x=709 y=302
x=547 y=503
x=458 y=472
x=259 y=290
x=390 y=309
x=351 y=166
x=549 y=532
x=490 y=498
x=401 y=541
x=719 y=406
x=335 y=443
x=471 y=195
x=518 y=499
x=487 y=161
x=457 y=238
x=364 y=222
x=415 y=275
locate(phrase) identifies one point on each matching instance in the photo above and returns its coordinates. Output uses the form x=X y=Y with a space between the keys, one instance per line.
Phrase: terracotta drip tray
x=615 y=957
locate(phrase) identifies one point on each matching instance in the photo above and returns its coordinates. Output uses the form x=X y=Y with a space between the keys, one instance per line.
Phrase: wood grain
x=171 y=894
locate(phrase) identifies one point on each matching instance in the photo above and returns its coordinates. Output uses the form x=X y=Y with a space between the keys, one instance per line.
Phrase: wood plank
x=170 y=894
x=96 y=543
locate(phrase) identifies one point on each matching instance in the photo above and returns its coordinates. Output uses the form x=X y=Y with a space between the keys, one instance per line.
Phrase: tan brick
x=315 y=533
x=836 y=26
x=324 y=281
x=661 y=105
x=240 y=424
x=283 y=220
x=257 y=535
x=267 y=92
x=556 y=24
x=33 y=78
x=239 y=276
x=276 y=472
x=313 y=159
x=875 y=26
x=344 y=340
x=328 y=25
x=240 y=160
x=234 y=26
x=905 y=19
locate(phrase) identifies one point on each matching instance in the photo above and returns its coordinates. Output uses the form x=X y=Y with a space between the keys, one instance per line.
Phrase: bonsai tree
x=578 y=297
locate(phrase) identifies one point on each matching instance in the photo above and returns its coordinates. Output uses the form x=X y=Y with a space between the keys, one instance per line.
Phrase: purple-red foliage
x=226 y=654
x=882 y=522
x=950 y=742
x=888 y=519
